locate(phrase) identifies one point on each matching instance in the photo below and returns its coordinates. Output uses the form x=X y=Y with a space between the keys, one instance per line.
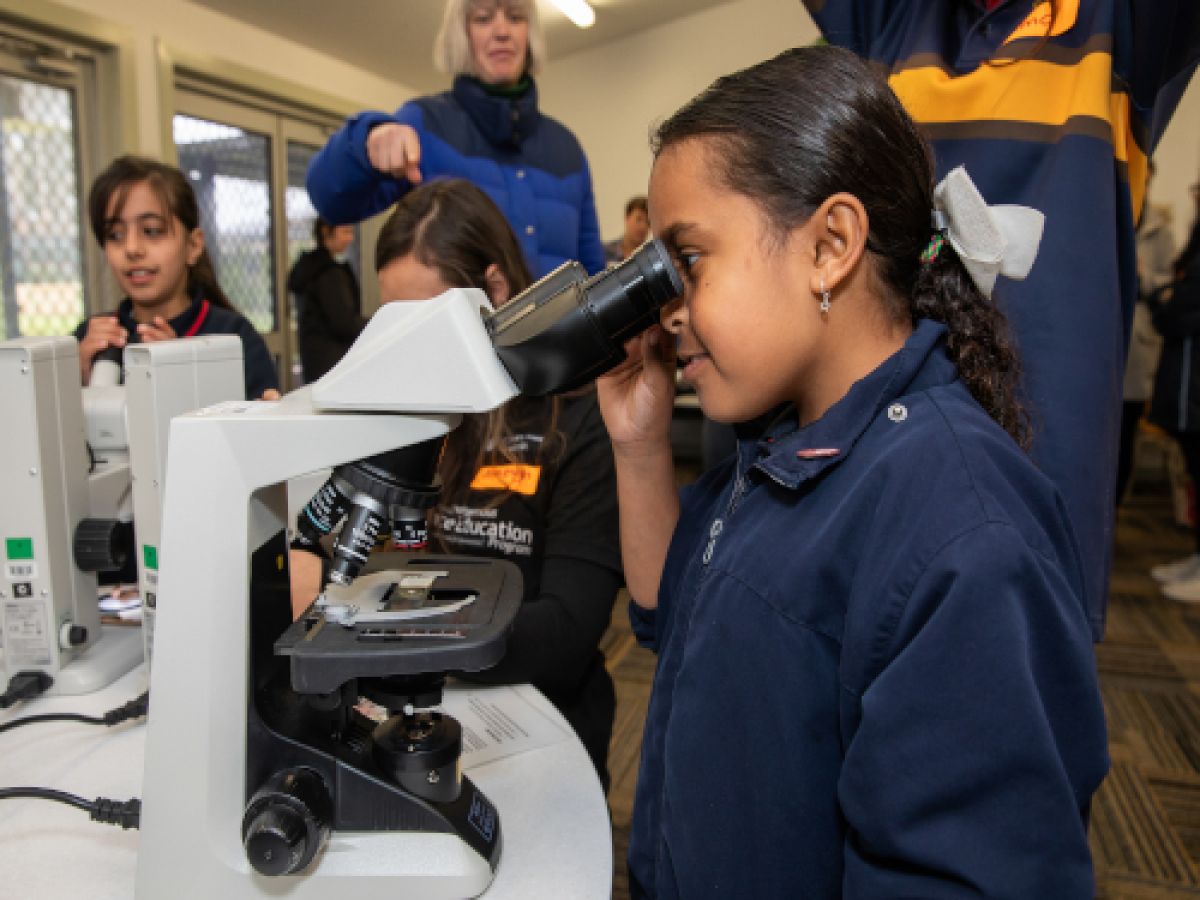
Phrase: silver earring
x=824 y=296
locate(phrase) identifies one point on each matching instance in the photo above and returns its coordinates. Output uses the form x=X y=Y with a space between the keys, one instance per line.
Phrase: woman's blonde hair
x=452 y=47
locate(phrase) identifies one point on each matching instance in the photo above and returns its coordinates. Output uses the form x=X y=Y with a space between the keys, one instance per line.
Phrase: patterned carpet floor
x=1145 y=830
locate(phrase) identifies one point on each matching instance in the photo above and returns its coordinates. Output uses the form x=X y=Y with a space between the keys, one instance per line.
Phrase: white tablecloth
x=557 y=837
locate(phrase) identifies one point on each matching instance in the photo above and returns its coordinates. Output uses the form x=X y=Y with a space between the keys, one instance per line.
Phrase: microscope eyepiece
x=566 y=329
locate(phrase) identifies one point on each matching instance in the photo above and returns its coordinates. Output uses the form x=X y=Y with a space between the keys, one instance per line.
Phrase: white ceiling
x=393 y=39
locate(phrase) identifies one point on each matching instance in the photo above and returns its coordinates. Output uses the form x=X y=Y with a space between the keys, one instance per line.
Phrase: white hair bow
x=990 y=240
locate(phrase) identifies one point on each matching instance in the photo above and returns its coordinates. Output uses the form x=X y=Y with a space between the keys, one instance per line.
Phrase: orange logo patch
x=1038 y=21
x=516 y=478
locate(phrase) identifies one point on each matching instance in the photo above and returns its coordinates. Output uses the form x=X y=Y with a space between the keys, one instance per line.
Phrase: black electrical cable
x=134 y=709
x=126 y=813
x=25 y=686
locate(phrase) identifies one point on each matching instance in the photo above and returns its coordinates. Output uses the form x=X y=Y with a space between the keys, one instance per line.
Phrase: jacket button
x=897 y=412
x=520 y=173
x=529 y=229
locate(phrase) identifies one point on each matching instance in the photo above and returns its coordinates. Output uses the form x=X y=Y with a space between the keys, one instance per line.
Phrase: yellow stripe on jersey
x=1040 y=93
x=519 y=479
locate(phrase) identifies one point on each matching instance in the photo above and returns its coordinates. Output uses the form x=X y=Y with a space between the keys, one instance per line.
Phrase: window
x=49 y=273
x=246 y=158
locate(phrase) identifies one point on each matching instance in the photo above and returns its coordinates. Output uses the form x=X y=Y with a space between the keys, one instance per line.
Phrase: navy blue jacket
x=1063 y=123
x=875 y=677
x=529 y=164
x=204 y=317
x=1175 y=404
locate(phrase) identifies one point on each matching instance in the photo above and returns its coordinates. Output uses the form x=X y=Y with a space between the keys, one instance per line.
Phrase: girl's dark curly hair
x=816 y=121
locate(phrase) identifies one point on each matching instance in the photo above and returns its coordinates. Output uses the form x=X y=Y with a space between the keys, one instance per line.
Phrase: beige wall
x=1178 y=161
x=611 y=96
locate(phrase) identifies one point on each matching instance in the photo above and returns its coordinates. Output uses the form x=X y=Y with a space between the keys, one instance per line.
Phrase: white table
x=557 y=836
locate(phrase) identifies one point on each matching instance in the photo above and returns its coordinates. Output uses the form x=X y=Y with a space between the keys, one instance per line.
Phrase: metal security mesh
x=41 y=269
x=300 y=215
x=229 y=169
x=300 y=211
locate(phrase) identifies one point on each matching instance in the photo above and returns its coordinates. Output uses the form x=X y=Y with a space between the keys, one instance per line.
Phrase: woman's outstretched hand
x=395 y=150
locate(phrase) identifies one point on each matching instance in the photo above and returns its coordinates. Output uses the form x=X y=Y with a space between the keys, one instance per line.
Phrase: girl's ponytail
x=977 y=340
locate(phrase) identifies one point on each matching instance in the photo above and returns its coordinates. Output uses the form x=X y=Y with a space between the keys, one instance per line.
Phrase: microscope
x=267 y=772
x=79 y=468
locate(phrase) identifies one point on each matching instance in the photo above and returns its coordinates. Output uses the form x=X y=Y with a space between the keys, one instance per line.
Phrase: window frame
x=189 y=82
x=93 y=60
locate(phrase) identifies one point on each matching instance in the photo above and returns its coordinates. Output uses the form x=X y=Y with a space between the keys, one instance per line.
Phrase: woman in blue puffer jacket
x=487 y=129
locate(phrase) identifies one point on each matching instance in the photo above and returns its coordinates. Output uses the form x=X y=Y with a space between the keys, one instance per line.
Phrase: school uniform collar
x=791 y=456
x=503 y=121
x=186 y=324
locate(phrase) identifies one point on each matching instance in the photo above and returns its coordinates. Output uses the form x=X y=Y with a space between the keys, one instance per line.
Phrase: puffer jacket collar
x=504 y=121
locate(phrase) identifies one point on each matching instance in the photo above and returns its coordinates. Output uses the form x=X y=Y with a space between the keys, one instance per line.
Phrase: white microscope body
x=77 y=466
x=226 y=497
x=244 y=796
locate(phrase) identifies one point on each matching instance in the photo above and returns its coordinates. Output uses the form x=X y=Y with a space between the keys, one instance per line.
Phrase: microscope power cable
x=134 y=709
x=25 y=686
x=126 y=813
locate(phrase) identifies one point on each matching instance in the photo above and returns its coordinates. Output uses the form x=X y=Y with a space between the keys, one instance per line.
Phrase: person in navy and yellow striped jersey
x=1056 y=105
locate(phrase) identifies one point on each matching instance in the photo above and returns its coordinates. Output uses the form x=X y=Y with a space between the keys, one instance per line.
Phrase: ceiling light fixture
x=578 y=11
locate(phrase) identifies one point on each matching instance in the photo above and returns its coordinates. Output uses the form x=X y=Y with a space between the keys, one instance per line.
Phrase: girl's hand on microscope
x=157 y=330
x=637 y=397
x=102 y=332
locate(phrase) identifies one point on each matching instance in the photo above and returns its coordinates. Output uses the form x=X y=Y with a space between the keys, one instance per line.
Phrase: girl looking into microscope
x=145 y=218
x=530 y=482
x=875 y=676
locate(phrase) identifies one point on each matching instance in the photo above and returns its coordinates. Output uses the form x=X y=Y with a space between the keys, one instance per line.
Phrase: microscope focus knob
x=275 y=841
x=286 y=822
x=102 y=545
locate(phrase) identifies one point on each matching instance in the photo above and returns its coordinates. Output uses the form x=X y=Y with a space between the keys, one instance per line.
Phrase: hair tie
x=989 y=240
x=933 y=248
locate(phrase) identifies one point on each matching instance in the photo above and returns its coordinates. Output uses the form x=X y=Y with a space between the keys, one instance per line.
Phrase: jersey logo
x=1038 y=21
x=520 y=479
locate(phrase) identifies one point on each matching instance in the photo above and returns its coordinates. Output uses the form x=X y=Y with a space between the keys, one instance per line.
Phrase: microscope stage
x=421 y=614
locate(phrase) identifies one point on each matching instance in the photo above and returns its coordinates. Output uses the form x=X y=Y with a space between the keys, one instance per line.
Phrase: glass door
x=227 y=153
x=247 y=165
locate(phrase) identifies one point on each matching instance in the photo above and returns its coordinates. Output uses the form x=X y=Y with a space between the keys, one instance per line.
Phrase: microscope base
x=362 y=865
x=118 y=651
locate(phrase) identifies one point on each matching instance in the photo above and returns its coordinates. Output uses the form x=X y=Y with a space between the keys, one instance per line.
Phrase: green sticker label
x=149 y=556
x=19 y=548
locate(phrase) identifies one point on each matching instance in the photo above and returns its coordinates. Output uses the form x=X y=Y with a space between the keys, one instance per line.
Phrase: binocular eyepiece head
x=566 y=329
